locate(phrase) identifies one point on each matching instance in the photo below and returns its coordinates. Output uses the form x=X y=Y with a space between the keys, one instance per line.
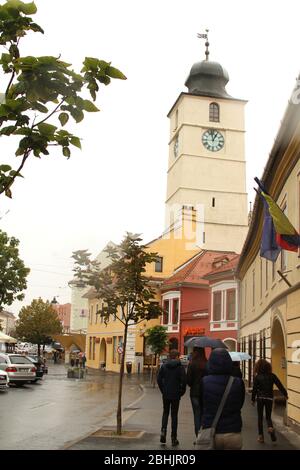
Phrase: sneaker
x=175 y=442
x=163 y=437
x=260 y=439
x=272 y=434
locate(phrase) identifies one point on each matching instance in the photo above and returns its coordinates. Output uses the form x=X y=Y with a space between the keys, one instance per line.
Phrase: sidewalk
x=145 y=415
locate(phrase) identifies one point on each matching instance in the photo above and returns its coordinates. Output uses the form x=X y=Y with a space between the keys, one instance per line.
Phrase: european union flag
x=268 y=248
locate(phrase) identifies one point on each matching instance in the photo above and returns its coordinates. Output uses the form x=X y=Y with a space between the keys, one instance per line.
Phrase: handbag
x=206 y=437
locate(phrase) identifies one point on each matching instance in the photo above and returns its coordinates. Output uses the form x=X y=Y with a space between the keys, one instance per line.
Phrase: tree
x=13 y=272
x=37 y=322
x=157 y=339
x=125 y=291
x=40 y=88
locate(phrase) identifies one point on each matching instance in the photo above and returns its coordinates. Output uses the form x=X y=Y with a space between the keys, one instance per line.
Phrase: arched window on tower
x=214 y=112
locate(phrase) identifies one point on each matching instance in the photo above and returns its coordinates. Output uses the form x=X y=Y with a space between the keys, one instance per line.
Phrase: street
x=58 y=410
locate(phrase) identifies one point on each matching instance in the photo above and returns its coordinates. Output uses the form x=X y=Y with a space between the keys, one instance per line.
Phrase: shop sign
x=194 y=331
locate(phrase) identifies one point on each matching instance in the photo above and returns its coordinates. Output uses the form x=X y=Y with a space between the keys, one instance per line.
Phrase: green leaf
x=40 y=107
x=15 y=173
x=90 y=107
x=5 y=168
x=63 y=118
x=22 y=131
x=76 y=142
x=28 y=8
x=77 y=114
x=115 y=73
x=7 y=130
x=8 y=193
x=66 y=152
x=46 y=129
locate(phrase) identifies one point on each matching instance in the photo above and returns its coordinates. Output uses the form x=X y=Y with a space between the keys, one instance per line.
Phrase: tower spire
x=205 y=36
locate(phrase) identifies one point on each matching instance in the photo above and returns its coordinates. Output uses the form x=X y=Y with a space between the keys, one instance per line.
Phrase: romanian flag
x=287 y=236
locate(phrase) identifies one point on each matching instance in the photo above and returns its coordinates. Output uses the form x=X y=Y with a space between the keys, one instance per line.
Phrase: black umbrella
x=205 y=342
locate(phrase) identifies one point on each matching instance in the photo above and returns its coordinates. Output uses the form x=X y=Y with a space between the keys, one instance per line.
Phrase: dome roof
x=209 y=79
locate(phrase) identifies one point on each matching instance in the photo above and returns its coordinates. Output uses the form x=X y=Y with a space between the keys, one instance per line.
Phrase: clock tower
x=206 y=168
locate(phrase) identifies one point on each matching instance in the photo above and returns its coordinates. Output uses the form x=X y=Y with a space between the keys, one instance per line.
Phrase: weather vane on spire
x=205 y=36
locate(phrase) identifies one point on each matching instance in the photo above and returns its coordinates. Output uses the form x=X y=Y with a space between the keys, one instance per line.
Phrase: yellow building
x=270 y=308
x=103 y=340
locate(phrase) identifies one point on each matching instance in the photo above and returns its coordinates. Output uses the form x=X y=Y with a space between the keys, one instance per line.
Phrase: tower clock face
x=213 y=140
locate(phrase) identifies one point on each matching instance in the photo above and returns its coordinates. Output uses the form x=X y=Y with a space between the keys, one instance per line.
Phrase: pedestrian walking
x=83 y=360
x=236 y=370
x=77 y=361
x=72 y=361
x=262 y=392
x=55 y=357
x=195 y=371
x=229 y=424
x=171 y=380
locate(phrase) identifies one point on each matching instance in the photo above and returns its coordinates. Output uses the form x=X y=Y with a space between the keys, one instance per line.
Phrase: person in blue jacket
x=228 y=431
x=171 y=380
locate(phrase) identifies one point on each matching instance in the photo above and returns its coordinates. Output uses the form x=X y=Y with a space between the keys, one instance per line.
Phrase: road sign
x=120 y=350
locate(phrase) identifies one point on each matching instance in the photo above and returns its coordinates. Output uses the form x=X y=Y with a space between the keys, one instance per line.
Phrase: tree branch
x=9 y=184
x=10 y=82
x=49 y=115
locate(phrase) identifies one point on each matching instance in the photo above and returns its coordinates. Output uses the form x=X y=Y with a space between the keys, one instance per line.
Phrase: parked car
x=4 y=380
x=19 y=368
x=40 y=365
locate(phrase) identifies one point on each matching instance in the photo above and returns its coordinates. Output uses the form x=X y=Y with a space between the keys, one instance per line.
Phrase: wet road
x=57 y=410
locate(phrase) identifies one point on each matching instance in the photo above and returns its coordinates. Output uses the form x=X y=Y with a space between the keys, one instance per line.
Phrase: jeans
x=229 y=441
x=268 y=405
x=174 y=405
x=197 y=410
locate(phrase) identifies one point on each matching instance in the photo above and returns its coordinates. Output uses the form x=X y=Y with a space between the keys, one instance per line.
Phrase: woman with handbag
x=195 y=371
x=223 y=398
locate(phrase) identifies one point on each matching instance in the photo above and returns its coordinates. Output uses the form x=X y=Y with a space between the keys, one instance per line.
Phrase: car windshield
x=19 y=360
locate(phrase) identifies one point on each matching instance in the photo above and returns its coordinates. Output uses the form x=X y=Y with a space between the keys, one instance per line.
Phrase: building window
x=175 y=311
x=97 y=310
x=120 y=343
x=94 y=348
x=283 y=256
x=267 y=274
x=203 y=237
x=91 y=313
x=213 y=202
x=90 y=347
x=217 y=300
x=273 y=270
x=231 y=304
x=261 y=278
x=214 y=112
x=253 y=288
x=166 y=312
x=176 y=120
x=159 y=264
x=115 y=345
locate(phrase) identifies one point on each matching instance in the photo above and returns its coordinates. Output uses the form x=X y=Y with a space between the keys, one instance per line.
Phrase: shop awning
x=7 y=339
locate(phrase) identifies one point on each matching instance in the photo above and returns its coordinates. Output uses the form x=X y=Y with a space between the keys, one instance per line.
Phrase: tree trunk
x=119 y=409
x=39 y=349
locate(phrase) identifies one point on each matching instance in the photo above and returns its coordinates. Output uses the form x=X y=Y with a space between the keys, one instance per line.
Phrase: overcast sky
x=118 y=181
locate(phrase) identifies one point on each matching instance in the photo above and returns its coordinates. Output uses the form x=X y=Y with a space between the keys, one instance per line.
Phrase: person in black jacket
x=228 y=431
x=195 y=371
x=171 y=380
x=264 y=381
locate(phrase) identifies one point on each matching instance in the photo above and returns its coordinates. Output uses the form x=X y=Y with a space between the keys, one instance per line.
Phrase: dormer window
x=214 y=112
